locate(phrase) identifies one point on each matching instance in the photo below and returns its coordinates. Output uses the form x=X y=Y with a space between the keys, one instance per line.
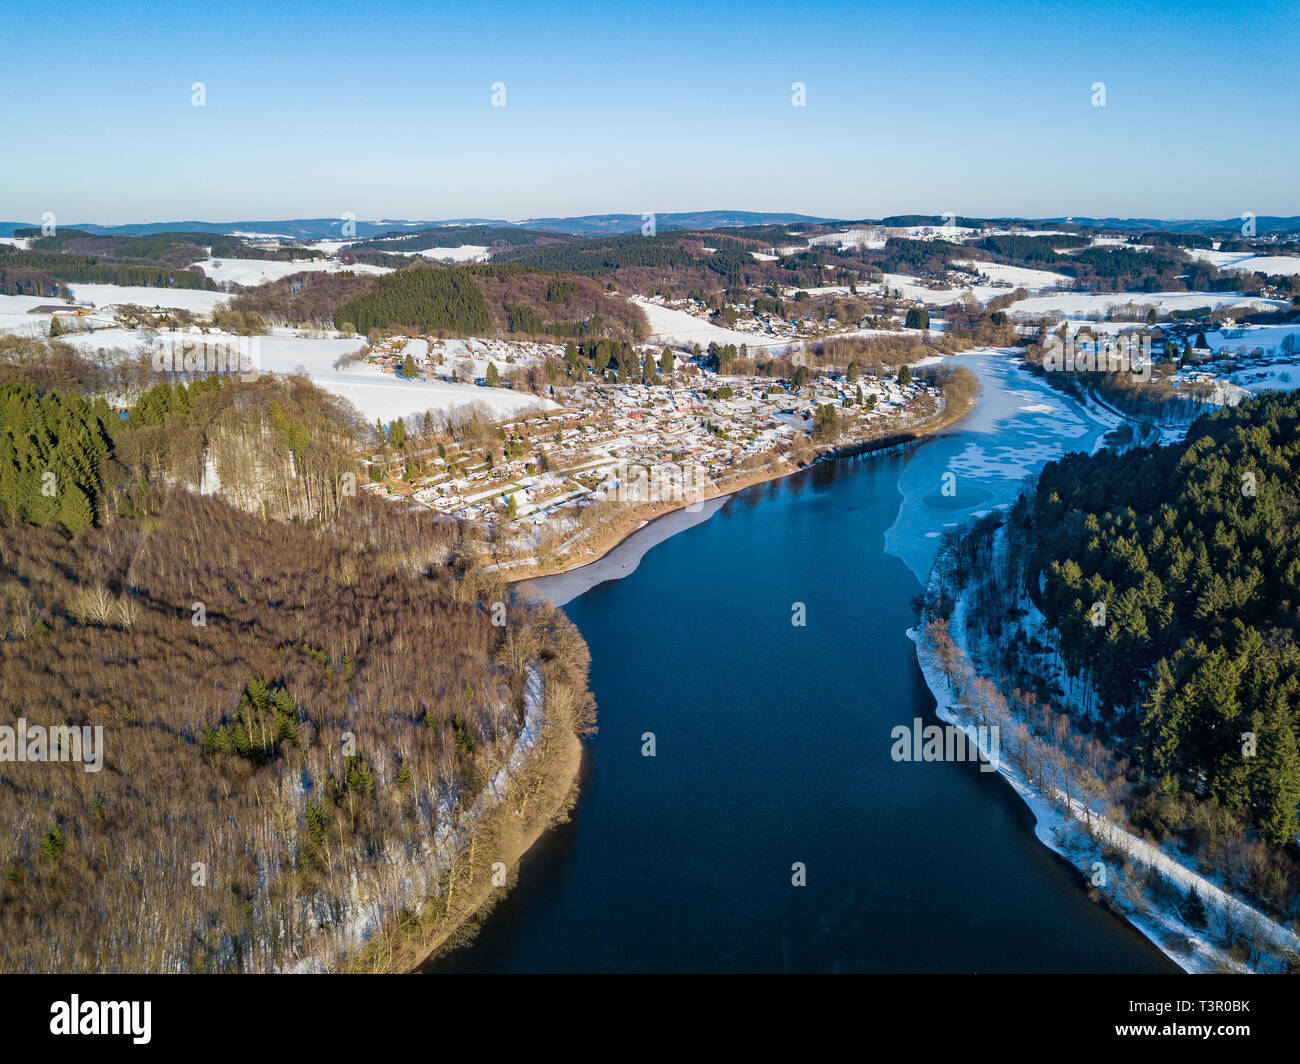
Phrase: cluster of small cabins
x=459 y=360
x=577 y=454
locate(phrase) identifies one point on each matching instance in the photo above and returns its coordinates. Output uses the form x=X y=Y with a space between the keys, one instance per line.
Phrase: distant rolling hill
x=1264 y=224
x=596 y=225
x=331 y=228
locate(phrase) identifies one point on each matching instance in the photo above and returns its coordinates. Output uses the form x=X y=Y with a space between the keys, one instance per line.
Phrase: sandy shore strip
x=541 y=796
x=622 y=559
x=555 y=588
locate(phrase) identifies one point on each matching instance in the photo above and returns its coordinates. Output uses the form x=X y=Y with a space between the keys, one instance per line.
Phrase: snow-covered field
x=1017 y=276
x=869 y=237
x=479 y=351
x=1100 y=328
x=1027 y=232
x=1247 y=261
x=954 y=234
x=1101 y=302
x=257 y=234
x=464 y=253
x=374 y=393
x=330 y=247
x=1112 y=242
x=824 y=290
x=22 y=304
x=14 y=317
x=128 y=341
x=1247 y=338
x=107 y=295
x=678 y=327
x=382 y=396
x=912 y=288
x=254 y=272
x=1276 y=376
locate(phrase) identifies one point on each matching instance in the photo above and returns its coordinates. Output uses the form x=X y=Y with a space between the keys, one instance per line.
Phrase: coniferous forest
x=1173 y=578
x=51 y=269
x=423 y=298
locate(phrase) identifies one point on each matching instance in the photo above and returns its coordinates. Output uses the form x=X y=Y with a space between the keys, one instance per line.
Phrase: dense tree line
x=676 y=261
x=424 y=298
x=545 y=305
x=153 y=260
x=309 y=299
x=761 y=237
x=174 y=250
x=227 y=742
x=53 y=449
x=1071 y=756
x=17 y=279
x=1173 y=577
x=233 y=247
x=1119 y=269
x=169 y=250
x=489 y=236
x=350 y=257
x=240 y=322
x=1163 y=238
x=602 y=256
x=92 y=269
x=921 y=258
x=277 y=446
x=1037 y=251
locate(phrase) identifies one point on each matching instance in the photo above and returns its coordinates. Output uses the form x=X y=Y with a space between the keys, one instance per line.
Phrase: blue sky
x=384 y=109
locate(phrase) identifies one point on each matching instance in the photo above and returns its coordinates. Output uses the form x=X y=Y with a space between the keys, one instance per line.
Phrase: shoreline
x=1067 y=827
x=411 y=943
x=1048 y=821
x=408 y=943
x=646 y=517
x=615 y=561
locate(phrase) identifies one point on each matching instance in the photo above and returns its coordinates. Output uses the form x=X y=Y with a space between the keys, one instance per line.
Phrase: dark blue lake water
x=773 y=747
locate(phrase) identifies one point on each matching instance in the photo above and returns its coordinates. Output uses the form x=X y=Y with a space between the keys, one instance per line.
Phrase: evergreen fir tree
x=1279 y=790
x=75 y=511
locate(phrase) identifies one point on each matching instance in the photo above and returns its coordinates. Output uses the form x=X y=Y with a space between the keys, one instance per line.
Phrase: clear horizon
x=523 y=220
x=388 y=113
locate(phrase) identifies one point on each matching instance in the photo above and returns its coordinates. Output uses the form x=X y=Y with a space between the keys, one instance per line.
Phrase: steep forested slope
x=298 y=716
x=1173 y=576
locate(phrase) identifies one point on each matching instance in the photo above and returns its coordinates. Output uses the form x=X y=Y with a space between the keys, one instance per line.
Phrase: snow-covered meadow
x=1016 y=276
x=464 y=253
x=1085 y=303
x=1247 y=261
x=113 y=295
x=678 y=327
x=912 y=288
x=15 y=316
x=253 y=272
x=1247 y=338
x=376 y=394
